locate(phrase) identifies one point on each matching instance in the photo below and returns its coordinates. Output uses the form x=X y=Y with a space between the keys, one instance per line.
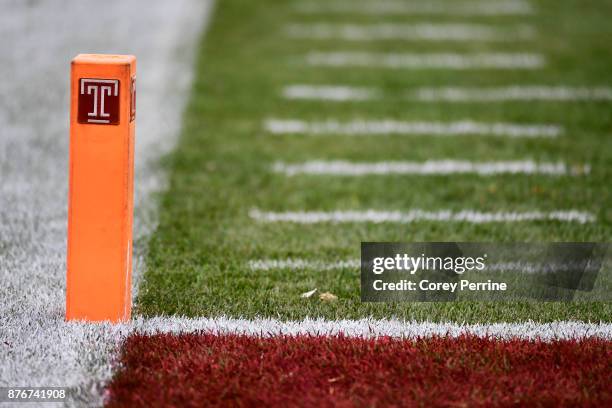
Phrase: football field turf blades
x=312 y=126
x=296 y=148
x=260 y=177
x=230 y=370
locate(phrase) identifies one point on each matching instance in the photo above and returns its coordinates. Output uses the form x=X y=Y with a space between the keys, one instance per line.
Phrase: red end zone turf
x=230 y=370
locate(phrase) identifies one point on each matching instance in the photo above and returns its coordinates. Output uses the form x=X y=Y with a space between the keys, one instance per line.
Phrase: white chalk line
x=514 y=93
x=298 y=264
x=429 y=167
x=370 y=328
x=395 y=127
x=337 y=93
x=361 y=328
x=554 y=93
x=410 y=32
x=418 y=215
x=452 y=61
x=382 y=7
x=302 y=264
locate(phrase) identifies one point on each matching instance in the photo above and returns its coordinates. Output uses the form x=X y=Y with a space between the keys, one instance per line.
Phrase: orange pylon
x=101 y=198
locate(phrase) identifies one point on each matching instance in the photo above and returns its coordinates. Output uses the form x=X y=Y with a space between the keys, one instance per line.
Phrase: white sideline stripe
x=486 y=8
x=301 y=264
x=388 y=126
x=514 y=93
x=371 y=328
x=427 y=61
x=429 y=167
x=331 y=93
x=416 y=32
x=416 y=215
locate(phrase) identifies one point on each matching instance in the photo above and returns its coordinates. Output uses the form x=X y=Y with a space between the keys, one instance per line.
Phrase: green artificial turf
x=197 y=260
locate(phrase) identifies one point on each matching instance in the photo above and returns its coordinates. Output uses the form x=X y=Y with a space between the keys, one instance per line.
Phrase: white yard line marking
x=427 y=61
x=301 y=264
x=429 y=167
x=372 y=328
x=330 y=93
x=411 y=32
x=466 y=7
x=513 y=93
x=297 y=264
x=395 y=127
x=554 y=93
x=410 y=216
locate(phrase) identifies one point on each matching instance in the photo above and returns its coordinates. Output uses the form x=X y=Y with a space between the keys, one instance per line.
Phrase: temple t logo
x=99 y=101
